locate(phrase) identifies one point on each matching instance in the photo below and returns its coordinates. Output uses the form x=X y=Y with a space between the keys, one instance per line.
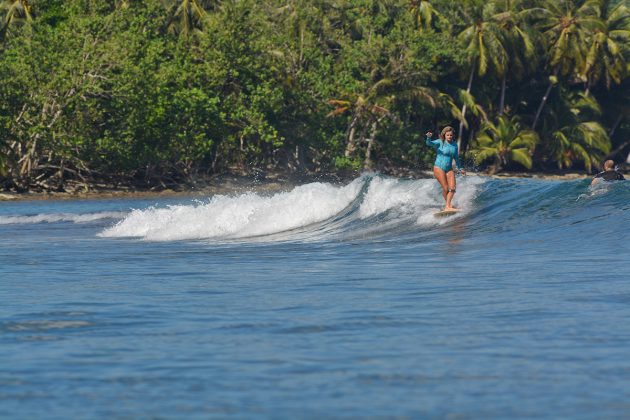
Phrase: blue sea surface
x=321 y=301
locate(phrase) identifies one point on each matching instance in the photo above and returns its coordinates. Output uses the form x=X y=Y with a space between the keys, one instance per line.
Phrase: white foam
x=250 y=214
x=404 y=197
x=60 y=217
x=420 y=198
x=242 y=216
x=467 y=188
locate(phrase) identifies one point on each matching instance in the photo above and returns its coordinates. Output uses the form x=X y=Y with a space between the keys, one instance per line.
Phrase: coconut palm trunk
x=615 y=125
x=351 y=144
x=502 y=101
x=461 y=122
x=542 y=104
x=367 y=164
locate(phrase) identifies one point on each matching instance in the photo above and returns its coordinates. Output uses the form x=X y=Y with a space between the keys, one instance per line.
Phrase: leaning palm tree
x=504 y=142
x=566 y=28
x=15 y=13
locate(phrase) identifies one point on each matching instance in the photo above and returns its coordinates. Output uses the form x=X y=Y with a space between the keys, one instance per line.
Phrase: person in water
x=443 y=167
x=609 y=173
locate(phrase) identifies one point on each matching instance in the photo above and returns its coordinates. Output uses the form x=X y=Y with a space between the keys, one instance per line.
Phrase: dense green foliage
x=153 y=92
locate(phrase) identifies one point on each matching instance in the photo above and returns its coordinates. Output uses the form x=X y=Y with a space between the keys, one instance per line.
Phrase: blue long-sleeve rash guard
x=446 y=152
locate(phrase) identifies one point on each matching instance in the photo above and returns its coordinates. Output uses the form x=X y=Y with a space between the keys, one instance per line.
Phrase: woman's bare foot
x=451 y=209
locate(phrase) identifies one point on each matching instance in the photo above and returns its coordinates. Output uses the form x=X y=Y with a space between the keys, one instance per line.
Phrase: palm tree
x=3 y=163
x=571 y=133
x=304 y=22
x=187 y=17
x=505 y=142
x=566 y=28
x=368 y=112
x=425 y=15
x=605 y=59
x=510 y=16
x=15 y=13
x=484 y=45
x=617 y=104
x=586 y=142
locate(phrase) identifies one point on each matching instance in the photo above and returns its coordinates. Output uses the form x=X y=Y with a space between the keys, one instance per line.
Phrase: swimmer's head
x=609 y=165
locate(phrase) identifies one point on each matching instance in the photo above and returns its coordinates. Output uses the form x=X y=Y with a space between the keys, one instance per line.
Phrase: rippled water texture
x=323 y=301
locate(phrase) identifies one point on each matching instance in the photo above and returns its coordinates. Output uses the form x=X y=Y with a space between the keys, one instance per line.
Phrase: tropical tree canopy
x=505 y=142
x=163 y=92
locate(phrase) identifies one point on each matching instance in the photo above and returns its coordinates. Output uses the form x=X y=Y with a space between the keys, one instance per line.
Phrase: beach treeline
x=163 y=92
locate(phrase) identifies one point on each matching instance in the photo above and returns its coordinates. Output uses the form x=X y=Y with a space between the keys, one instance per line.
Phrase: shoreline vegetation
x=238 y=183
x=129 y=97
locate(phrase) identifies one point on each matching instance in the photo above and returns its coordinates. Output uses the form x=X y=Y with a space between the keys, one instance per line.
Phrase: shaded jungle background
x=161 y=93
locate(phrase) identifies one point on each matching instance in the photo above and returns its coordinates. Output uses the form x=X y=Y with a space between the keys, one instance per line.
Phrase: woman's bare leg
x=452 y=185
x=440 y=175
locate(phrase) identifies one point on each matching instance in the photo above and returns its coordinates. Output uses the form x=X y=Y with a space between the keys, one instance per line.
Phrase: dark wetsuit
x=610 y=176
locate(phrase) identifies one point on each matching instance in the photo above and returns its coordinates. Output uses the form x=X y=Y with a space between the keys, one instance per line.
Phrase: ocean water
x=322 y=301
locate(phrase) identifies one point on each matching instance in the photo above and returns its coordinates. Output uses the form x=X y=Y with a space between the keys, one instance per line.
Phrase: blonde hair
x=446 y=130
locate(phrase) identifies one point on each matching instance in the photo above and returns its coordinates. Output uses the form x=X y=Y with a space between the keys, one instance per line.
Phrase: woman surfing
x=443 y=167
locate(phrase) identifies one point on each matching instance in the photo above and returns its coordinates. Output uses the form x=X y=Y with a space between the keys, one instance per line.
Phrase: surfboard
x=445 y=213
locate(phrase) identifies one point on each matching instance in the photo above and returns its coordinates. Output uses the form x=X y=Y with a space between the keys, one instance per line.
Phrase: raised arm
x=432 y=143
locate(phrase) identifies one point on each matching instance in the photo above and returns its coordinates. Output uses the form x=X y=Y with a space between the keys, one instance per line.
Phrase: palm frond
x=522 y=156
x=485 y=153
